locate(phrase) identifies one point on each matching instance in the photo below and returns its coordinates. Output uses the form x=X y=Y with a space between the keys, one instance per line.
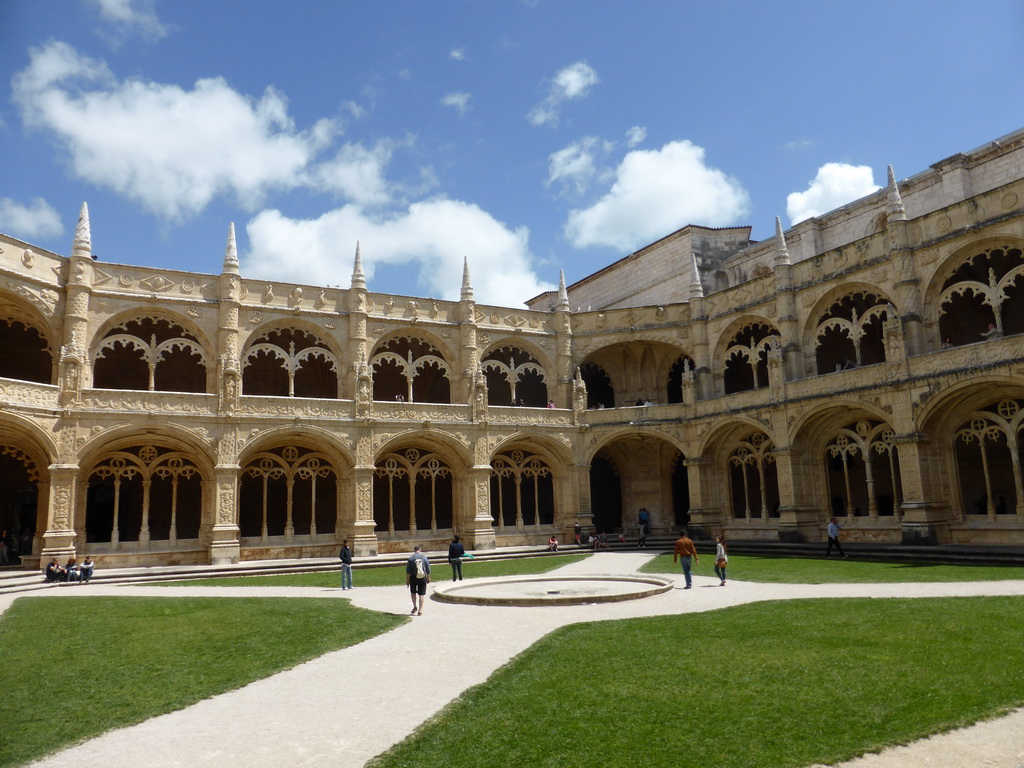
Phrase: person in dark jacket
x=455 y=554
x=346 y=565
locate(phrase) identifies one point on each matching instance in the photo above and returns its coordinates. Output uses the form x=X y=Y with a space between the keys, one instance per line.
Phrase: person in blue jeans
x=455 y=554
x=346 y=565
x=686 y=553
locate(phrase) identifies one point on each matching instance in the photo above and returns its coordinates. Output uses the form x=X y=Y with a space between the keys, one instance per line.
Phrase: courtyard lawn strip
x=771 y=685
x=388 y=576
x=73 y=669
x=796 y=570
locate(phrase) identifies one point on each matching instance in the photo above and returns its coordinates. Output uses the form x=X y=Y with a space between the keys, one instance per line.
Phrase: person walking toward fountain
x=721 y=558
x=417 y=576
x=686 y=553
x=455 y=554
x=346 y=565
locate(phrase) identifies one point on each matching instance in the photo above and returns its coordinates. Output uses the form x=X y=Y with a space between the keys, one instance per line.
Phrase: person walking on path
x=686 y=553
x=417 y=576
x=721 y=558
x=346 y=565
x=833 y=539
x=455 y=554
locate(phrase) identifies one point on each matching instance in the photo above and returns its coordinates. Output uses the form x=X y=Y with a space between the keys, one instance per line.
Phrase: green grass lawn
x=72 y=669
x=388 y=576
x=770 y=685
x=793 y=570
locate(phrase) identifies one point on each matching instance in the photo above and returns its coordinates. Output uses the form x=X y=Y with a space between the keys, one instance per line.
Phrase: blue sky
x=525 y=135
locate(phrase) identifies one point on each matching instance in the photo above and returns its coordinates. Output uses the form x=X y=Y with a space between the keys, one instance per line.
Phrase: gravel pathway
x=347 y=706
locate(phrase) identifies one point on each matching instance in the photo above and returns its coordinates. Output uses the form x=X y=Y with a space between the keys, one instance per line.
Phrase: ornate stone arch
x=153 y=351
x=977 y=292
x=291 y=359
x=522 y=489
x=845 y=328
x=25 y=457
x=514 y=376
x=741 y=355
x=28 y=341
x=408 y=367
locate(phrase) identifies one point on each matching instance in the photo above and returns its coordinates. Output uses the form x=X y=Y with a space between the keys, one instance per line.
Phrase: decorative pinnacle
x=895 y=207
x=696 y=289
x=231 y=252
x=781 y=251
x=82 y=245
x=467 y=286
x=563 y=294
x=358 y=278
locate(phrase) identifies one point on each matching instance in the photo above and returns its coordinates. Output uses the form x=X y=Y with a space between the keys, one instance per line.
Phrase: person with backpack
x=417 y=576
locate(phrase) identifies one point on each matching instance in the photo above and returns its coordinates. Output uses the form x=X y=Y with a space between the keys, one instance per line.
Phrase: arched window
x=680 y=492
x=988 y=457
x=150 y=354
x=863 y=470
x=408 y=368
x=412 y=491
x=143 y=494
x=753 y=478
x=605 y=493
x=746 y=358
x=681 y=370
x=984 y=297
x=522 y=492
x=26 y=352
x=288 y=492
x=600 y=393
x=514 y=377
x=850 y=333
x=289 y=362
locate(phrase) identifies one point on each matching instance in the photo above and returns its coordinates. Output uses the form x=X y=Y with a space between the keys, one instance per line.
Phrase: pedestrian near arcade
x=686 y=553
x=721 y=558
x=346 y=565
x=455 y=554
x=417 y=576
x=834 y=529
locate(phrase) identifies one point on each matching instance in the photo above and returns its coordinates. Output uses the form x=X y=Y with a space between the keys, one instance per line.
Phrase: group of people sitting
x=71 y=571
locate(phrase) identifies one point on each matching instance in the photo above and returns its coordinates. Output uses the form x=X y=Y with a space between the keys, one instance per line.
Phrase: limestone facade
x=867 y=364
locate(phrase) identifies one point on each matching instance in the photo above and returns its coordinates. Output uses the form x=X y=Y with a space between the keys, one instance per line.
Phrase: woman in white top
x=721 y=558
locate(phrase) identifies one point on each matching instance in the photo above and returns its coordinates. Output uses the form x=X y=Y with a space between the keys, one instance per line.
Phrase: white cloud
x=435 y=235
x=357 y=172
x=129 y=16
x=572 y=82
x=37 y=220
x=457 y=54
x=797 y=145
x=836 y=184
x=655 y=192
x=458 y=100
x=635 y=135
x=172 y=150
x=577 y=165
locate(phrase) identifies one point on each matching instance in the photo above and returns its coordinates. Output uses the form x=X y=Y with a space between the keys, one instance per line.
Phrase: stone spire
x=231 y=252
x=467 y=285
x=781 y=251
x=82 y=245
x=358 y=278
x=563 y=294
x=894 y=205
x=696 y=289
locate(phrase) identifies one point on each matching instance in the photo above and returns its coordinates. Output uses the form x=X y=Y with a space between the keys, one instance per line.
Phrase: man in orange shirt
x=687 y=554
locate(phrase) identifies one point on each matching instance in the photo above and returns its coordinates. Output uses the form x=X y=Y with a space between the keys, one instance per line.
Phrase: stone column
x=584 y=516
x=364 y=540
x=476 y=524
x=563 y=348
x=797 y=522
x=469 y=354
x=924 y=519
x=705 y=521
x=59 y=538
x=224 y=543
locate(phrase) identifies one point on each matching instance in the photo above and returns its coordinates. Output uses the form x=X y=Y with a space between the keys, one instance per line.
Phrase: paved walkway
x=347 y=706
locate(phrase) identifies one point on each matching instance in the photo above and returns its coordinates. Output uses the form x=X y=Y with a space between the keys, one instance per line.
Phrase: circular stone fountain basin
x=551 y=590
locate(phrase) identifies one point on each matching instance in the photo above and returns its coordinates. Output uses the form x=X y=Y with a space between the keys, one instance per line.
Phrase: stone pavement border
x=350 y=705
